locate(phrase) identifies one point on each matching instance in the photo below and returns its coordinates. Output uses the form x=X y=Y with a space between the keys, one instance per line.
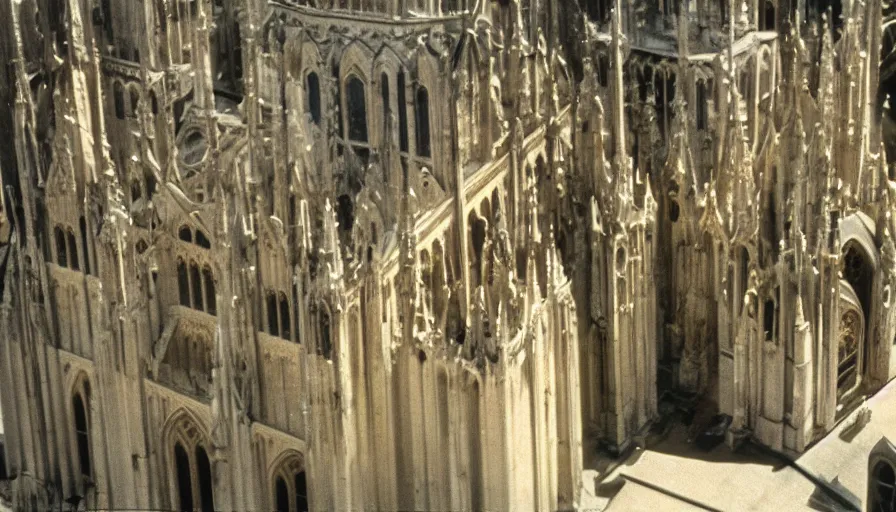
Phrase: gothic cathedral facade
x=428 y=255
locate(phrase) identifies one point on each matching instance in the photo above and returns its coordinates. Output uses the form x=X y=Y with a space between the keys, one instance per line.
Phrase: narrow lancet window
x=422 y=110
x=357 y=110
x=313 y=84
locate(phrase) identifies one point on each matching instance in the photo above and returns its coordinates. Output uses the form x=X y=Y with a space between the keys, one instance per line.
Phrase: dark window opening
x=477 y=233
x=598 y=10
x=768 y=319
x=768 y=16
x=202 y=241
x=72 y=250
x=135 y=191
x=237 y=53
x=150 y=186
x=61 y=251
x=107 y=19
x=674 y=211
x=522 y=261
x=185 y=234
x=832 y=8
x=284 y=317
x=603 y=70
x=744 y=267
x=273 y=325
x=642 y=84
x=184 y=479
x=702 y=106
x=282 y=495
x=118 y=97
x=665 y=95
x=313 y=84
x=345 y=212
x=196 y=286
x=204 y=471
x=82 y=226
x=210 y=300
x=56 y=15
x=884 y=497
x=357 y=110
x=183 y=283
x=154 y=102
x=82 y=433
x=301 y=492
x=422 y=111
x=326 y=345
x=402 y=114
x=384 y=93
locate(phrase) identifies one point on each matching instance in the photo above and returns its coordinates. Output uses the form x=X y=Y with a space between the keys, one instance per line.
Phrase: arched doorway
x=857 y=270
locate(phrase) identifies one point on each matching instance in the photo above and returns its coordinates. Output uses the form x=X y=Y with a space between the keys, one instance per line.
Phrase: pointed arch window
x=883 y=495
x=204 y=472
x=184 y=478
x=82 y=227
x=72 y=249
x=208 y=282
x=422 y=121
x=357 y=109
x=290 y=486
x=196 y=286
x=193 y=483
x=82 y=430
x=107 y=19
x=285 y=317
x=278 y=313
x=282 y=495
x=61 y=250
x=402 y=113
x=313 y=85
x=384 y=96
x=183 y=283
x=273 y=324
x=185 y=234
x=301 y=488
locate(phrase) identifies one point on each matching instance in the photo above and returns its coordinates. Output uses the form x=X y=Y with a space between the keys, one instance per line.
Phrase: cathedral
x=429 y=254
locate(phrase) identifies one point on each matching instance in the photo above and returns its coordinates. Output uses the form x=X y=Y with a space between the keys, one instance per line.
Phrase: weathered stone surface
x=427 y=255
